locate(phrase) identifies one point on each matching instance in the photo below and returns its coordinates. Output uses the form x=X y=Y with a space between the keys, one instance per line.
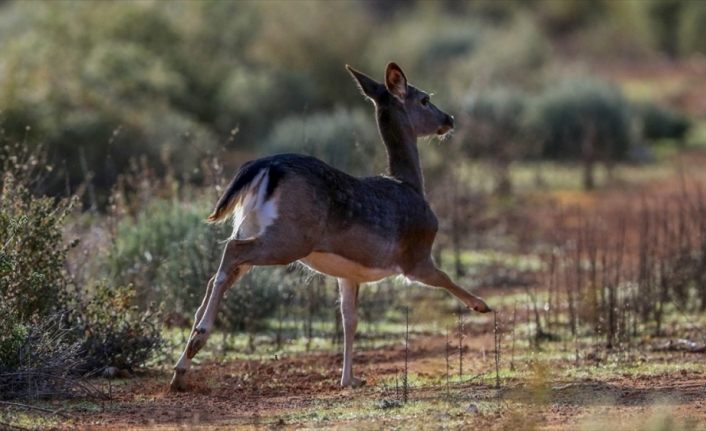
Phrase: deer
x=290 y=208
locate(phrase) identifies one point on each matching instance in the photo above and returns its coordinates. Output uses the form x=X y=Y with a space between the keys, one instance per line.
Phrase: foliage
x=514 y=54
x=346 y=139
x=495 y=128
x=495 y=120
x=112 y=331
x=52 y=329
x=169 y=84
x=579 y=116
x=167 y=251
x=691 y=29
x=37 y=359
x=11 y=338
x=115 y=90
x=659 y=122
x=255 y=298
x=32 y=250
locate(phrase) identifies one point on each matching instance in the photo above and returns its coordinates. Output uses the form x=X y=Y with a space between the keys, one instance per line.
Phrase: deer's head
x=403 y=102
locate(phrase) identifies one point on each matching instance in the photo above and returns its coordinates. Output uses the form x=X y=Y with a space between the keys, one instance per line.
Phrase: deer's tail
x=250 y=184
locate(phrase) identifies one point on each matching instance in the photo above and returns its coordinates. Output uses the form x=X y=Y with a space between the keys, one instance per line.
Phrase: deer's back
x=379 y=222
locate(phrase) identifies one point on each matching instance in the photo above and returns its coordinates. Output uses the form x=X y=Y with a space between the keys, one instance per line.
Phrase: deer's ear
x=395 y=81
x=368 y=86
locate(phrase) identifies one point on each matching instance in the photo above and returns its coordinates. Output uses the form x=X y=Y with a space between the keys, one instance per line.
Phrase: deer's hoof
x=354 y=382
x=178 y=383
x=482 y=307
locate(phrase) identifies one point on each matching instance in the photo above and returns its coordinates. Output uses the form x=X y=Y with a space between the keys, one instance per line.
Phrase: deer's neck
x=401 y=144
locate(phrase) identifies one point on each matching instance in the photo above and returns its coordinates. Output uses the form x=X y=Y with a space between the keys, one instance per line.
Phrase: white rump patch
x=253 y=213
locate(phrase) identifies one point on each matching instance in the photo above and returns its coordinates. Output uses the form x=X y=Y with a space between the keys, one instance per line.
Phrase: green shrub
x=586 y=120
x=38 y=359
x=32 y=250
x=575 y=112
x=346 y=139
x=514 y=53
x=255 y=298
x=495 y=119
x=496 y=129
x=100 y=86
x=691 y=29
x=425 y=42
x=54 y=326
x=168 y=253
x=660 y=122
x=11 y=338
x=112 y=331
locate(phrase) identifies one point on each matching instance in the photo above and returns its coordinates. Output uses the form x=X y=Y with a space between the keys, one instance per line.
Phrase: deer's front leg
x=349 y=314
x=433 y=276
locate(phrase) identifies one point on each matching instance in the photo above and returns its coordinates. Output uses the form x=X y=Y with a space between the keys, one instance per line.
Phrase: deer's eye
x=425 y=100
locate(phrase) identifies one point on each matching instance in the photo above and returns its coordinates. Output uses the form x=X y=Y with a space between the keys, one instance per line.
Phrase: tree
x=585 y=120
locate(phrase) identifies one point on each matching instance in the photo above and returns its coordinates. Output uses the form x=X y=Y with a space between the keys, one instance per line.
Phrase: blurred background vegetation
x=103 y=84
x=143 y=109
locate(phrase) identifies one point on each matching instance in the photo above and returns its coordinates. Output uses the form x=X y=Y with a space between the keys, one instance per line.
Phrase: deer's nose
x=449 y=120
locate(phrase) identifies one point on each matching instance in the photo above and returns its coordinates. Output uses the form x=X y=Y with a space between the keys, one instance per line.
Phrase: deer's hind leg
x=184 y=361
x=238 y=257
x=203 y=321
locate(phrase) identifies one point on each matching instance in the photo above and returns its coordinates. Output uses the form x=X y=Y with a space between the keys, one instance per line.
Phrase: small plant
x=38 y=360
x=166 y=252
x=32 y=249
x=56 y=329
x=112 y=331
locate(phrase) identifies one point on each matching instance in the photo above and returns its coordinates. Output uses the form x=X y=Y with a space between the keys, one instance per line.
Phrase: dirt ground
x=302 y=392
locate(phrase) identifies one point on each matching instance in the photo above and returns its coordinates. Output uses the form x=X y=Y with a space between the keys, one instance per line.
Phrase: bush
x=659 y=122
x=496 y=129
x=53 y=326
x=37 y=359
x=346 y=139
x=425 y=42
x=514 y=53
x=496 y=119
x=167 y=252
x=584 y=120
x=691 y=29
x=114 y=90
x=32 y=250
x=11 y=339
x=574 y=111
x=254 y=298
x=112 y=332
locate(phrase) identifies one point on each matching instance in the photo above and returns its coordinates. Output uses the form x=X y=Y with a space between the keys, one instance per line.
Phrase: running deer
x=291 y=207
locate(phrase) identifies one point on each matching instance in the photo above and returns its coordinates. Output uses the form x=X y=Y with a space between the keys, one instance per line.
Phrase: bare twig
x=446 y=350
x=405 y=381
x=496 y=332
x=460 y=346
x=512 y=351
x=5 y=425
x=31 y=407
